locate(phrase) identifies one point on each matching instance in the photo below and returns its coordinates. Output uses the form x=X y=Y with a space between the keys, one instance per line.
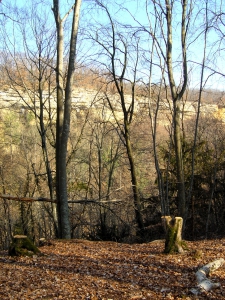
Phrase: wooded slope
x=79 y=269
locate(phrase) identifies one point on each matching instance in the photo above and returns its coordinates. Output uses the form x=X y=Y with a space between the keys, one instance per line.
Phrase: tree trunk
x=134 y=180
x=61 y=146
x=179 y=160
x=177 y=94
x=173 y=229
x=64 y=112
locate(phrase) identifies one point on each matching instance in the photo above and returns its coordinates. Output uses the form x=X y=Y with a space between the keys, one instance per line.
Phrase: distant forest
x=97 y=137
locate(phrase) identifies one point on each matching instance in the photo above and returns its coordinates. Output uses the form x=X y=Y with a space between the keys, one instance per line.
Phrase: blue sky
x=126 y=11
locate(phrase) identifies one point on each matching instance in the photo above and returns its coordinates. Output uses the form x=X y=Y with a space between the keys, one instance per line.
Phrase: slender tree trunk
x=42 y=132
x=61 y=143
x=179 y=159
x=63 y=113
x=177 y=95
x=127 y=109
x=134 y=181
x=198 y=113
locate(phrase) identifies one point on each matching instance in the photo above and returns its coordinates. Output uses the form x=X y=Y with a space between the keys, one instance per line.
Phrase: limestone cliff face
x=84 y=99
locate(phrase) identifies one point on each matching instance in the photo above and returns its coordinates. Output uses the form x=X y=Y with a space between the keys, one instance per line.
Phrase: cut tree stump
x=173 y=229
x=44 y=242
x=22 y=246
x=205 y=284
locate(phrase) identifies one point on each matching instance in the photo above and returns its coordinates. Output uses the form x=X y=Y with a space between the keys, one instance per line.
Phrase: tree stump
x=173 y=229
x=22 y=246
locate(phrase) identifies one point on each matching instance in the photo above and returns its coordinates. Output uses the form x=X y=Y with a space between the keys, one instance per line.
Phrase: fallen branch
x=27 y=199
x=205 y=284
x=42 y=199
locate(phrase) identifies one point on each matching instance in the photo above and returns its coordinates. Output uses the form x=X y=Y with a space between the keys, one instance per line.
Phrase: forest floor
x=80 y=269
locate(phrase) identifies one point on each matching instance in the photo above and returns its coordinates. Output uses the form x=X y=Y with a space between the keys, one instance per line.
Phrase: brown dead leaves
x=87 y=270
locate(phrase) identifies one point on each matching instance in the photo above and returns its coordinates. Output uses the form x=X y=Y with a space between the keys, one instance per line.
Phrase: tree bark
x=179 y=159
x=134 y=180
x=173 y=229
x=177 y=95
x=64 y=112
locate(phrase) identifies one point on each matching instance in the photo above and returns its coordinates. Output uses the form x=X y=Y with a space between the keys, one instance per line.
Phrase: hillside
x=89 y=98
x=80 y=269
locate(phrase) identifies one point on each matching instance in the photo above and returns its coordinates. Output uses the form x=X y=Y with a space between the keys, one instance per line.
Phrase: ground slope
x=87 y=270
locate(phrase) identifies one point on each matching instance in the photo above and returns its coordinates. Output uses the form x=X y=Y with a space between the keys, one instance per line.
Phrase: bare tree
x=122 y=80
x=64 y=94
x=177 y=93
x=30 y=74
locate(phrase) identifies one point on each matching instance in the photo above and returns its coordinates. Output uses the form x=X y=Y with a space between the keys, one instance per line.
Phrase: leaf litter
x=87 y=270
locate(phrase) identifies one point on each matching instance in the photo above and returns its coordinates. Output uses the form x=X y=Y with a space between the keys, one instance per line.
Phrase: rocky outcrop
x=84 y=99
